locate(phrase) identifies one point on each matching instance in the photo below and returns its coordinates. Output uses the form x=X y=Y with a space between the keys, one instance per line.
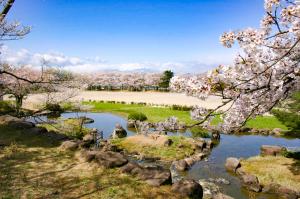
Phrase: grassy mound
x=271 y=169
x=149 y=147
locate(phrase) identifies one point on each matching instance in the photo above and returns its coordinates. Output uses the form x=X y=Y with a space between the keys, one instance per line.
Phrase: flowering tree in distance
x=266 y=71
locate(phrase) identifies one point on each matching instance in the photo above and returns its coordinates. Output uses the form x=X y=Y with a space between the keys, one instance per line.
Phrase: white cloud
x=77 y=64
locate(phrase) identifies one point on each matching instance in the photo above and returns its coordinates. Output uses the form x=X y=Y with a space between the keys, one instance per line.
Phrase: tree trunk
x=18 y=103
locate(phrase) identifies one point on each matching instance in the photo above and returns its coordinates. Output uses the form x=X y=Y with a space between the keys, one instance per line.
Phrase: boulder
x=87 y=140
x=251 y=183
x=209 y=144
x=175 y=175
x=209 y=189
x=200 y=145
x=154 y=176
x=85 y=155
x=119 y=132
x=129 y=167
x=15 y=122
x=271 y=150
x=188 y=188
x=109 y=159
x=276 y=131
x=181 y=165
x=232 y=164
x=130 y=124
x=68 y=145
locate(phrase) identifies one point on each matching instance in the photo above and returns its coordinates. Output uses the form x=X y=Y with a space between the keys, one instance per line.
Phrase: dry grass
x=155 y=148
x=32 y=167
x=271 y=169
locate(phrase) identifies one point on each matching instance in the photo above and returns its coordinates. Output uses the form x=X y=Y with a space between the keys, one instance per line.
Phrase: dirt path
x=156 y=98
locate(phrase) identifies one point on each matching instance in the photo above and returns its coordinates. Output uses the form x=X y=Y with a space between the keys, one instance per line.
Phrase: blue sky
x=133 y=34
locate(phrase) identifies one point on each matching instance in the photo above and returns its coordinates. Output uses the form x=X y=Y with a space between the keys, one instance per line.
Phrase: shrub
x=54 y=107
x=180 y=108
x=198 y=131
x=137 y=116
x=6 y=107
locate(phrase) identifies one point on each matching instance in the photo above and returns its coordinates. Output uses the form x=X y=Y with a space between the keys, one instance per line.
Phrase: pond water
x=229 y=146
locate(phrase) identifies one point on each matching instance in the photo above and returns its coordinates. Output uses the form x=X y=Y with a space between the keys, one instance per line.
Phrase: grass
x=271 y=169
x=156 y=114
x=268 y=122
x=167 y=153
x=69 y=127
x=32 y=167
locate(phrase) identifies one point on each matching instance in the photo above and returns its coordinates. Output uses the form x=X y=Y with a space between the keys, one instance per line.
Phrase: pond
x=230 y=146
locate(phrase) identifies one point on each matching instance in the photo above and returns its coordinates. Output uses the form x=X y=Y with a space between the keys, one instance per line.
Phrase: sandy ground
x=155 y=98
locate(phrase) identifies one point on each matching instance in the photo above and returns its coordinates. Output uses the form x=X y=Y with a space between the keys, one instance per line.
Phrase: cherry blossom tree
x=125 y=80
x=27 y=80
x=265 y=71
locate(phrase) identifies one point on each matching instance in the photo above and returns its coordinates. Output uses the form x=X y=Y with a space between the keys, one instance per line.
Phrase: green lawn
x=155 y=114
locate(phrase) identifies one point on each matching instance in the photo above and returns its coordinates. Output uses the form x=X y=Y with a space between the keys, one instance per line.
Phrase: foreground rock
x=119 y=132
x=69 y=145
x=281 y=191
x=188 y=188
x=232 y=164
x=107 y=159
x=271 y=150
x=15 y=122
x=110 y=159
x=152 y=176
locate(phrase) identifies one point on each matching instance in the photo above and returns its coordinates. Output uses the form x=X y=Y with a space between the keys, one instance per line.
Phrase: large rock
x=181 y=165
x=271 y=150
x=15 y=122
x=69 y=145
x=276 y=131
x=209 y=188
x=85 y=155
x=152 y=176
x=119 y=132
x=232 y=164
x=155 y=177
x=188 y=188
x=109 y=159
x=130 y=124
x=251 y=183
